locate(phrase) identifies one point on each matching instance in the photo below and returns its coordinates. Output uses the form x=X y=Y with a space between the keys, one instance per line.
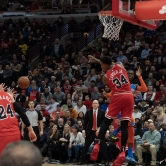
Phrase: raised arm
x=93 y=59
x=143 y=87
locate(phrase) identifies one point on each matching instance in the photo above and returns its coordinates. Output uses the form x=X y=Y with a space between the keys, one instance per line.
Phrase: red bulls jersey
x=118 y=80
x=8 y=120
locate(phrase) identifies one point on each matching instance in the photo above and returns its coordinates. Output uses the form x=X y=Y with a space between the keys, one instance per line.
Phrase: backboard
x=125 y=10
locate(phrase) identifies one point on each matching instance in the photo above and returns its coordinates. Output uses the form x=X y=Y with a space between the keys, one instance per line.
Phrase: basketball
x=23 y=82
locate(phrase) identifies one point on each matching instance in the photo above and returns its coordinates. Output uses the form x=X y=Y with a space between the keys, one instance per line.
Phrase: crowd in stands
x=17 y=38
x=63 y=85
x=38 y=5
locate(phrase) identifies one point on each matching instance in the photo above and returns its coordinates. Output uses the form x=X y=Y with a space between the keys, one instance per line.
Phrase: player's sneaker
x=120 y=159
x=113 y=138
x=131 y=160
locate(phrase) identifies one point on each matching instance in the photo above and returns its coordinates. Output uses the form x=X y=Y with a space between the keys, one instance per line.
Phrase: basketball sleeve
x=143 y=87
x=22 y=114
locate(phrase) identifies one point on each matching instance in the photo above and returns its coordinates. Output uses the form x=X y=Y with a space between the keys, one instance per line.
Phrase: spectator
x=46 y=95
x=76 y=143
x=145 y=52
x=52 y=143
x=64 y=142
x=59 y=95
x=80 y=107
x=34 y=95
x=37 y=36
x=58 y=112
x=52 y=83
x=150 y=143
x=95 y=94
x=60 y=125
x=57 y=49
x=142 y=106
x=160 y=94
x=52 y=106
x=82 y=60
x=87 y=102
x=16 y=152
x=145 y=125
x=59 y=22
x=85 y=24
x=121 y=57
x=23 y=47
x=68 y=117
x=136 y=113
x=73 y=113
x=80 y=125
x=161 y=116
x=150 y=81
x=149 y=93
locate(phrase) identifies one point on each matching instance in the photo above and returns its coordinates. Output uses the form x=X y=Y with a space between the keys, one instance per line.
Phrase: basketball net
x=111 y=25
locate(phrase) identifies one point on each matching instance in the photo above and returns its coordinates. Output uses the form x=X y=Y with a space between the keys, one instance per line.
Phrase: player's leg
x=126 y=112
x=111 y=113
x=104 y=127
x=130 y=142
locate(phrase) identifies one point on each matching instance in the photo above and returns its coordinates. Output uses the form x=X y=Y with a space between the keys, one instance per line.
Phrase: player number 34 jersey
x=118 y=80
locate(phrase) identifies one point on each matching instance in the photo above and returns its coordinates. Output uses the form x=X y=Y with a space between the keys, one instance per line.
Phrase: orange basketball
x=23 y=82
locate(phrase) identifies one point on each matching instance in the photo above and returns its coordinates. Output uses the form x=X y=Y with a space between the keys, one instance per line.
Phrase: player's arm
x=105 y=80
x=23 y=116
x=93 y=59
x=108 y=95
x=40 y=119
x=121 y=65
x=143 y=87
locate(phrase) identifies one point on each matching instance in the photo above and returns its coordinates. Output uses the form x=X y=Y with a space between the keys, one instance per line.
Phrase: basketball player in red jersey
x=117 y=80
x=9 y=128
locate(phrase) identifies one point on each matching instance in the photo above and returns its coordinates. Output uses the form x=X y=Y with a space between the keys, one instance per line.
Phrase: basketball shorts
x=130 y=134
x=121 y=103
x=5 y=140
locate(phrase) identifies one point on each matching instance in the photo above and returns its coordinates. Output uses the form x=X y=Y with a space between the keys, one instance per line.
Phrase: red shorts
x=130 y=134
x=121 y=103
x=5 y=140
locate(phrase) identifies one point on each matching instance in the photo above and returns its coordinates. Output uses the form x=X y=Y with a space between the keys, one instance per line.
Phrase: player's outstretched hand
x=12 y=92
x=32 y=136
x=3 y=87
x=138 y=72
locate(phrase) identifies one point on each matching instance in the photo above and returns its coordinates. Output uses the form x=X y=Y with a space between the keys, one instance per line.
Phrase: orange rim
x=105 y=13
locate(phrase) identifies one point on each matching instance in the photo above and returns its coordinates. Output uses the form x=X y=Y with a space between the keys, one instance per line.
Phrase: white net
x=111 y=25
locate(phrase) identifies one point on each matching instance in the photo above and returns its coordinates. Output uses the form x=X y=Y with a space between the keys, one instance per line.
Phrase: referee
x=36 y=120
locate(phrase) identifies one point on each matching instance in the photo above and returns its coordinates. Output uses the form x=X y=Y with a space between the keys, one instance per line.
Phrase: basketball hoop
x=111 y=25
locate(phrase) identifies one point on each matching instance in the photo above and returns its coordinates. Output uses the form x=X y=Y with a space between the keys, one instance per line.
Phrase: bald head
x=151 y=126
x=95 y=104
x=21 y=153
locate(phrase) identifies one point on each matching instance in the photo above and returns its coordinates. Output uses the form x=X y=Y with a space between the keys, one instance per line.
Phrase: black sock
x=124 y=130
x=104 y=127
